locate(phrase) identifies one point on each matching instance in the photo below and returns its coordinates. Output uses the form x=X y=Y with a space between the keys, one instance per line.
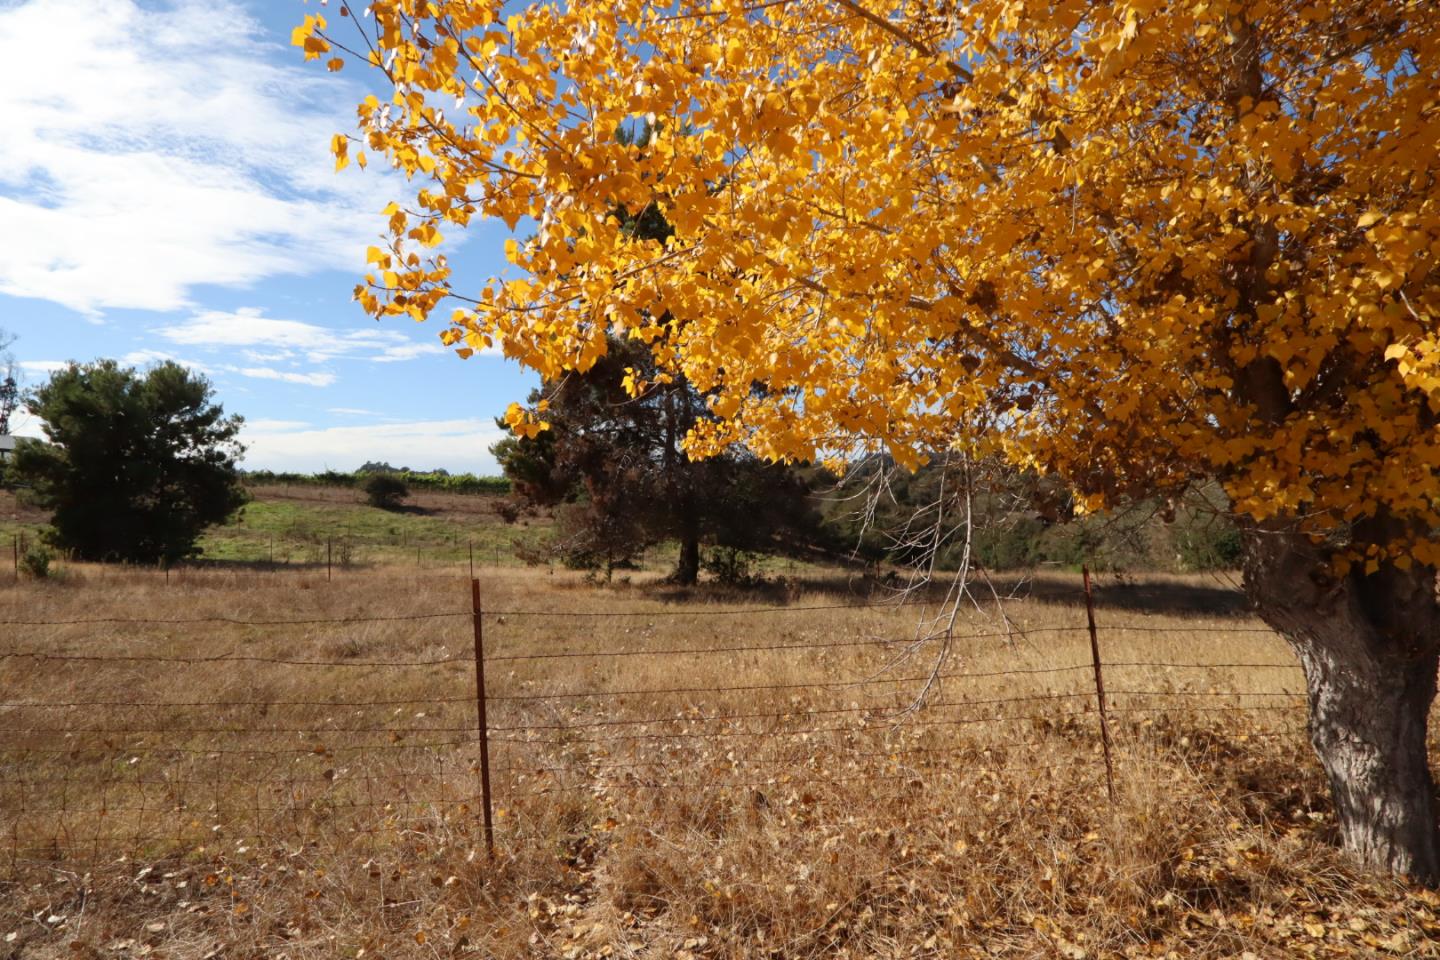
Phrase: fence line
x=577 y=739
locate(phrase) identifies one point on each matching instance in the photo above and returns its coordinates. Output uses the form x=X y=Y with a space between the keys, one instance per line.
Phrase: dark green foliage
x=9 y=396
x=1206 y=537
x=532 y=469
x=385 y=490
x=136 y=467
x=1013 y=544
x=733 y=566
x=612 y=468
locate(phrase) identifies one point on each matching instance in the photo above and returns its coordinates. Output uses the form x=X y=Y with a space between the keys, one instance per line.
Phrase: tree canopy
x=1129 y=242
x=136 y=467
x=1126 y=243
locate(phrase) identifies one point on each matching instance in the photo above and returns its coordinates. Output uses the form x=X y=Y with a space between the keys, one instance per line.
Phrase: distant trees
x=137 y=466
x=1019 y=520
x=613 y=468
x=438 y=480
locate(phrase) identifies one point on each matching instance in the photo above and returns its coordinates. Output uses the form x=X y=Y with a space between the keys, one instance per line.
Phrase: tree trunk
x=687 y=570
x=1369 y=646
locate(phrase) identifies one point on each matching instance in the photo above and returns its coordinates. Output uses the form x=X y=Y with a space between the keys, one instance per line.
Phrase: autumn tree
x=1128 y=243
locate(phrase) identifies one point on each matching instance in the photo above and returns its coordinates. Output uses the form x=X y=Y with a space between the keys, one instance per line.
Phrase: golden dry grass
x=769 y=804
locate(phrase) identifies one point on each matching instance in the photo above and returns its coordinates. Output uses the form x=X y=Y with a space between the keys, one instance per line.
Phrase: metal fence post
x=484 y=729
x=1099 y=685
x=329 y=552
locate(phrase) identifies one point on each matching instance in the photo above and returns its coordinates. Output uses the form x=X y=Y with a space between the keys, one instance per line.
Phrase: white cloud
x=135 y=358
x=142 y=157
x=43 y=367
x=316 y=379
x=412 y=350
x=456 y=445
x=274 y=426
x=273 y=339
x=353 y=412
x=144 y=358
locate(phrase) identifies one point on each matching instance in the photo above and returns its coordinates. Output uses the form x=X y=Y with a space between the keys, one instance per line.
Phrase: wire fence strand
x=76 y=770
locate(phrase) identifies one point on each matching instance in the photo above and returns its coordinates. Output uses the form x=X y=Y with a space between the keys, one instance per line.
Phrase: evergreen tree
x=136 y=466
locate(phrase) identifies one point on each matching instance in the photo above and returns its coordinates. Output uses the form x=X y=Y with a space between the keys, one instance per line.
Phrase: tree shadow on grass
x=1131 y=594
x=410 y=509
x=861 y=588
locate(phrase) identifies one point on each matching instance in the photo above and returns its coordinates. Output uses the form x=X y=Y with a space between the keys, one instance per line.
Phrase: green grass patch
x=307 y=532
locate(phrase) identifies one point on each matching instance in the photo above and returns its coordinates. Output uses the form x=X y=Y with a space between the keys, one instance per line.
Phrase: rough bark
x=1369 y=646
x=687 y=570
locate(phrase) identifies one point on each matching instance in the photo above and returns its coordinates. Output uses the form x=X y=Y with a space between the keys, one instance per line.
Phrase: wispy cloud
x=263 y=426
x=316 y=379
x=457 y=445
x=141 y=158
x=144 y=358
x=43 y=367
x=275 y=339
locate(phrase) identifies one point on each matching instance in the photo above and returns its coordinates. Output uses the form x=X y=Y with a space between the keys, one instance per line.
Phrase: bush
x=1012 y=544
x=1212 y=545
x=35 y=563
x=386 y=491
x=733 y=567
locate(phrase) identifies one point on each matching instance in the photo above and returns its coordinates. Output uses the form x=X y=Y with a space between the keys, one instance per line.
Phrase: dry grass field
x=694 y=775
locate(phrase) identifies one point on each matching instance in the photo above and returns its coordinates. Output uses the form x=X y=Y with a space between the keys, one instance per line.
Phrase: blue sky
x=166 y=191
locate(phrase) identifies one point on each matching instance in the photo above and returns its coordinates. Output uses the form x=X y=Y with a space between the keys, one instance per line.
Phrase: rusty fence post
x=1099 y=685
x=477 y=615
x=329 y=553
x=472 y=559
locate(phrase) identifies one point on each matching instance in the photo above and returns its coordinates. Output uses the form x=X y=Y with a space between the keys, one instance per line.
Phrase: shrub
x=35 y=563
x=1212 y=545
x=733 y=567
x=386 y=491
x=1012 y=544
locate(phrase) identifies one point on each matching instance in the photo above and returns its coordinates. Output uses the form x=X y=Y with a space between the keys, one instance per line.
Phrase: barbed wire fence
x=432 y=742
